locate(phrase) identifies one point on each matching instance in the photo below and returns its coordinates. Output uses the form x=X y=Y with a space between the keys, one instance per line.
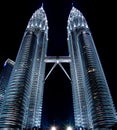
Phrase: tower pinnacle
x=38 y=20
x=76 y=19
x=42 y=6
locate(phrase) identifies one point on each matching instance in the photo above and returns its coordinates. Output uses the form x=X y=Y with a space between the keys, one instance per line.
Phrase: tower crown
x=38 y=20
x=76 y=20
x=9 y=61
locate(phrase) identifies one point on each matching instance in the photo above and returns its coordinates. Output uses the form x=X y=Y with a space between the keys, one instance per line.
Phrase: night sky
x=100 y=17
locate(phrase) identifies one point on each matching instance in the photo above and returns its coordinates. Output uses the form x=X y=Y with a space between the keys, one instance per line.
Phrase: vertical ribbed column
x=103 y=111
x=88 y=87
x=41 y=80
x=36 y=99
x=78 y=83
x=18 y=89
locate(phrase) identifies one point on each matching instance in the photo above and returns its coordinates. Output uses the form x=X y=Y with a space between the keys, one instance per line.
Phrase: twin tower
x=23 y=98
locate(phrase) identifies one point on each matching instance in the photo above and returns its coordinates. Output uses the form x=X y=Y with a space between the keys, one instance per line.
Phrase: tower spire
x=42 y=5
x=73 y=3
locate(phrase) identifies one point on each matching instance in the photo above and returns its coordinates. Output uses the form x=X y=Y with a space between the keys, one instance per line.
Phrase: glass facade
x=4 y=78
x=93 y=105
x=22 y=104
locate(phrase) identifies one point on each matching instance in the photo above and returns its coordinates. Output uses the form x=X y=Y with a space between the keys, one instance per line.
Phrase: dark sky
x=100 y=17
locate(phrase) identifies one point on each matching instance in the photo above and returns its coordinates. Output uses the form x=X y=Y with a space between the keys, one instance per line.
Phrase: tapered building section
x=4 y=78
x=24 y=95
x=93 y=105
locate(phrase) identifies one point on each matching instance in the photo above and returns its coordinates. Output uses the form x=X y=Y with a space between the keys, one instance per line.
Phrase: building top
x=76 y=20
x=38 y=20
x=9 y=61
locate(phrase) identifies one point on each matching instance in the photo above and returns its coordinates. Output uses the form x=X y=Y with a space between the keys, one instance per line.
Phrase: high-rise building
x=92 y=101
x=4 y=78
x=93 y=105
x=22 y=106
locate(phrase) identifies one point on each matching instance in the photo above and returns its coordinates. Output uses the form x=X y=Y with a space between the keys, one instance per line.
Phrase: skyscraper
x=92 y=101
x=22 y=105
x=93 y=105
x=4 y=78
